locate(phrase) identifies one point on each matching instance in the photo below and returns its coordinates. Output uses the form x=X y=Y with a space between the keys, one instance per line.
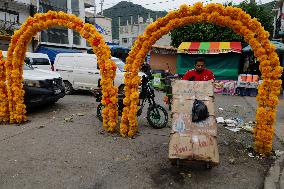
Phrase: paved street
x=48 y=152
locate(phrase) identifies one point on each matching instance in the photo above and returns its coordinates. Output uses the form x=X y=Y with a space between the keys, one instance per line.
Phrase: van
x=39 y=61
x=80 y=71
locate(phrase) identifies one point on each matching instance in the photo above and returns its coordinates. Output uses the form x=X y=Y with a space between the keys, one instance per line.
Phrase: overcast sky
x=164 y=4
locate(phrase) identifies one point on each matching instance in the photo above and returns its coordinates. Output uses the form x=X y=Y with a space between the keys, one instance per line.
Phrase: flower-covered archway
x=241 y=23
x=13 y=110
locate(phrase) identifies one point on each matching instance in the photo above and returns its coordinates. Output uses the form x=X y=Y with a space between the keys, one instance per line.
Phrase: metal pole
x=102 y=10
x=95 y=11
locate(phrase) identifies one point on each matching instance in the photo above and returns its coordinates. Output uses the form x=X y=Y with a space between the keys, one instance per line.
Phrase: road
x=50 y=152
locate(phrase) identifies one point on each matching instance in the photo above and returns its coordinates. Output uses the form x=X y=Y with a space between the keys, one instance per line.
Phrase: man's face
x=199 y=66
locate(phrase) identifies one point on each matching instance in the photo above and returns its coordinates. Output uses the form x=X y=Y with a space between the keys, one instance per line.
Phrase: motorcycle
x=157 y=116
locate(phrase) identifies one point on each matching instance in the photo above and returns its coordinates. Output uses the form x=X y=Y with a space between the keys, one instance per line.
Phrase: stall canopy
x=223 y=58
x=209 y=47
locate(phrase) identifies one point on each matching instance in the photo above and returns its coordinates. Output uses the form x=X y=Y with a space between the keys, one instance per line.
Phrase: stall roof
x=209 y=47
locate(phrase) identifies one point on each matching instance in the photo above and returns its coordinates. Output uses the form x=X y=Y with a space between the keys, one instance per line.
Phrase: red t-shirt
x=205 y=75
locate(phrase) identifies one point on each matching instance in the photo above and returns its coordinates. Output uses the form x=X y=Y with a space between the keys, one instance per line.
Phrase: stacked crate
x=193 y=140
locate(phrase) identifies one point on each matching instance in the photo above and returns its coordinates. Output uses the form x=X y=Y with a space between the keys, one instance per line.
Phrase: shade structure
x=279 y=47
x=209 y=47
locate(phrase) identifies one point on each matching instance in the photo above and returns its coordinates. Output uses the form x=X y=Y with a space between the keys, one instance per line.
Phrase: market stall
x=250 y=76
x=223 y=58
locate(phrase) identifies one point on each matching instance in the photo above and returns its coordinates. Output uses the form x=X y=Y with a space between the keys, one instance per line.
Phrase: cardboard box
x=201 y=90
x=182 y=105
x=194 y=147
x=180 y=147
x=182 y=124
x=205 y=148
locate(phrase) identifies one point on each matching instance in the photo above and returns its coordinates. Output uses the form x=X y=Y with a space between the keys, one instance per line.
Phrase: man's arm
x=211 y=75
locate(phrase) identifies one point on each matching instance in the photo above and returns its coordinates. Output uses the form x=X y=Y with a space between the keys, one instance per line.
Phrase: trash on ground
x=248 y=126
x=236 y=129
x=250 y=155
x=279 y=153
x=80 y=114
x=220 y=120
x=68 y=119
x=221 y=109
x=232 y=160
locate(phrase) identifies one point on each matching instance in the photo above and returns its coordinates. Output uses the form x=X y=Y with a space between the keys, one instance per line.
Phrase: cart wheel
x=174 y=162
x=208 y=166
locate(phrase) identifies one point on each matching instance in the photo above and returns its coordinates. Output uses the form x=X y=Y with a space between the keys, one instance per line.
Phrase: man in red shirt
x=200 y=73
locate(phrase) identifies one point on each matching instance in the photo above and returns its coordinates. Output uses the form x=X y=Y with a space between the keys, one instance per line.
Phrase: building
x=61 y=36
x=163 y=58
x=103 y=25
x=12 y=15
x=129 y=33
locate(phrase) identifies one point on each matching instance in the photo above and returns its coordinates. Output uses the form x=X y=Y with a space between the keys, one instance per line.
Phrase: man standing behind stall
x=199 y=73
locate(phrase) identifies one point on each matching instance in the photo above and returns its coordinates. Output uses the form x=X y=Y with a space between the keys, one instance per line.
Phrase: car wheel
x=68 y=88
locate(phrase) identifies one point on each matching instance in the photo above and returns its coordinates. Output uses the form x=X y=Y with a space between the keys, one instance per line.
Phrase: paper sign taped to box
x=200 y=90
x=182 y=124
x=181 y=105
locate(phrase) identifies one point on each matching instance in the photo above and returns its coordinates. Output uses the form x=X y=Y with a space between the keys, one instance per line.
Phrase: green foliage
x=211 y=32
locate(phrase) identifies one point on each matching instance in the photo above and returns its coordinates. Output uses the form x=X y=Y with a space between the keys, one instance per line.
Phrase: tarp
x=53 y=51
x=209 y=47
x=224 y=66
x=279 y=47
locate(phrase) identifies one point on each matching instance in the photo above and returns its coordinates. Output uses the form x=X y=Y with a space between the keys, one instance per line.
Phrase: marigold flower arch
x=241 y=23
x=14 y=109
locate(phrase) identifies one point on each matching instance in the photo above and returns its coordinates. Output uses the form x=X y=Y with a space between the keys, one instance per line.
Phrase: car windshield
x=120 y=65
x=27 y=67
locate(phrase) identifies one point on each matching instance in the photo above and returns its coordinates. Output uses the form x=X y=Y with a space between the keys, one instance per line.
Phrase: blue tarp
x=53 y=51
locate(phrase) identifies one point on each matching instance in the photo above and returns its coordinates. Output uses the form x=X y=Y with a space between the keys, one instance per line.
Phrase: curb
x=275 y=176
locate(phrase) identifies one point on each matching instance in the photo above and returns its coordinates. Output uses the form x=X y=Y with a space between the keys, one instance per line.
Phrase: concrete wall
x=163 y=62
x=132 y=31
x=105 y=23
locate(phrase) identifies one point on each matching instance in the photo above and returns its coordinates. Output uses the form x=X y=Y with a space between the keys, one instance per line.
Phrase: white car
x=41 y=86
x=39 y=61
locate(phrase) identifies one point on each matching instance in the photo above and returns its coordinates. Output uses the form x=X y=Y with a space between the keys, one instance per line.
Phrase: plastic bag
x=199 y=111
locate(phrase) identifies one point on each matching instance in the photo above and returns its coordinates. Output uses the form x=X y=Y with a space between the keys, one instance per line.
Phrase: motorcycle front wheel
x=157 y=116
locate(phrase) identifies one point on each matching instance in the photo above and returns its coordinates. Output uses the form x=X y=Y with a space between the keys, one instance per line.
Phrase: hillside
x=269 y=6
x=125 y=10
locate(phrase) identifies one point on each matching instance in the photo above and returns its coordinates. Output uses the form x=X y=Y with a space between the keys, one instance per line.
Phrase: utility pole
x=95 y=11
x=102 y=4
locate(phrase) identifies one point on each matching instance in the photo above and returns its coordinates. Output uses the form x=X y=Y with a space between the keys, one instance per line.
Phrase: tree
x=211 y=32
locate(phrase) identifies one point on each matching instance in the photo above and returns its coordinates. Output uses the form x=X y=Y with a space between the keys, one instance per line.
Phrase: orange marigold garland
x=4 y=106
x=241 y=23
x=16 y=54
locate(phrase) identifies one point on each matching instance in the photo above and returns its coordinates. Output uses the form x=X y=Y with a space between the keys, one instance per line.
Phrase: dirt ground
x=64 y=146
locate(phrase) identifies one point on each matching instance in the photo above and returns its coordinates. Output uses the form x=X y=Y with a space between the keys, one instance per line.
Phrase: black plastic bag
x=199 y=111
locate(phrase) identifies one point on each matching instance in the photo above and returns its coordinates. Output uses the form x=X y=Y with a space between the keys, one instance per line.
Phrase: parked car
x=41 y=86
x=81 y=71
x=39 y=61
